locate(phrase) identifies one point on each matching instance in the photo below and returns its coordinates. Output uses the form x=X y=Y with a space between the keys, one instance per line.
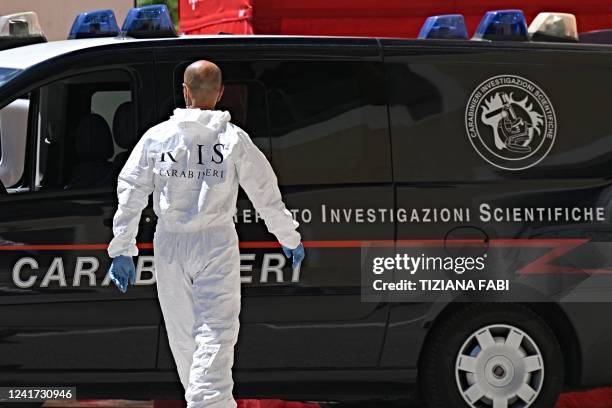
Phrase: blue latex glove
x=122 y=271
x=297 y=254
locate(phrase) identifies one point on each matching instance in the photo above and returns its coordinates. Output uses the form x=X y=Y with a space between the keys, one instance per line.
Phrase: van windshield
x=7 y=73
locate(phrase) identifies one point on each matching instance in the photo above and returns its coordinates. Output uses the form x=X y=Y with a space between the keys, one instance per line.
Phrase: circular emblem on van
x=510 y=122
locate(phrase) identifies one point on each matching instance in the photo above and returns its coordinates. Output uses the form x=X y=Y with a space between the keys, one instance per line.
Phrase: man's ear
x=186 y=95
x=220 y=93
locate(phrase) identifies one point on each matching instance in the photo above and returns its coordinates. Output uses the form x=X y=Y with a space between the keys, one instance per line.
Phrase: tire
x=459 y=361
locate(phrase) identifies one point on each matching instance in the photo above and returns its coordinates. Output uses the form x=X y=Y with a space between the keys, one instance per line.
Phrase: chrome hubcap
x=499 y=366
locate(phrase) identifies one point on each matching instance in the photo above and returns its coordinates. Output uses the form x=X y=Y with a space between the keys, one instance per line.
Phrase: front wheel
x=499 y=355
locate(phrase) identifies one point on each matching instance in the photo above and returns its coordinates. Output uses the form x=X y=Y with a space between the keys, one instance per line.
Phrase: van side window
x=328 y=122
x=13 y=139
x=86 y=128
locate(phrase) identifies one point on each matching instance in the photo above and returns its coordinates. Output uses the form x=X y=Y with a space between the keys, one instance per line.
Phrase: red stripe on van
x=558 y=248
x=521 y=242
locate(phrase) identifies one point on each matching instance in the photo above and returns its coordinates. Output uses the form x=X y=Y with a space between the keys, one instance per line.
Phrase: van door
x=496 y=144
x=58 y=310
x=319 y=114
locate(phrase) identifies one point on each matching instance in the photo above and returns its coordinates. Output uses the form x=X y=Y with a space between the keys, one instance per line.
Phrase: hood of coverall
x=195 y=119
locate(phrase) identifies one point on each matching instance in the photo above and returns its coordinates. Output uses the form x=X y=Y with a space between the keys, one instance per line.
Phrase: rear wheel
x=498 y=355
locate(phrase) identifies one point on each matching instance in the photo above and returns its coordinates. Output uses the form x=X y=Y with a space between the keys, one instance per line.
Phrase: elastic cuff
x=115 y=252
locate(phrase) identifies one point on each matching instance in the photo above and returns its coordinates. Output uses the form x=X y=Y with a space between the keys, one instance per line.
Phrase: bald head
x=202 y=85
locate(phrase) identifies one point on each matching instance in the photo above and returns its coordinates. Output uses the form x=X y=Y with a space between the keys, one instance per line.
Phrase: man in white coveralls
x=193 y=164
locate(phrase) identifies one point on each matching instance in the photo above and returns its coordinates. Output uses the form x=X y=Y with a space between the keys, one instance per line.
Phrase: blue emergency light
x=92 y=24
x=148 y=22
x=502 y=25
x=444 y=27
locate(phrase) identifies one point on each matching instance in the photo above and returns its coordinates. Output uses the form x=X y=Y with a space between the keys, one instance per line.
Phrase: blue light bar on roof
x=148 y=22
x=447 y=27
x=502 y=25
x=92 y=24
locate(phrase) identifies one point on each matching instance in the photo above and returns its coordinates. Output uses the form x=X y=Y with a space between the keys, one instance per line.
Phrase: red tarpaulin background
x=382 y=18
x=215 y=16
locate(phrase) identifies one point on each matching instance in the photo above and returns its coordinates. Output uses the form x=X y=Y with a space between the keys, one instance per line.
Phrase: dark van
x=497 y=150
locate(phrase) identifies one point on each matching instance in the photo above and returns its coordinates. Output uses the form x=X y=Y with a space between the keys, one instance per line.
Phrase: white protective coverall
x=193 y=163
